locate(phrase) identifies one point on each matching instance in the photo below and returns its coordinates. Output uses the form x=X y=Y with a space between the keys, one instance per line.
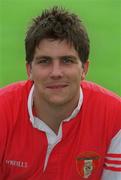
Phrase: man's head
x=57 y=24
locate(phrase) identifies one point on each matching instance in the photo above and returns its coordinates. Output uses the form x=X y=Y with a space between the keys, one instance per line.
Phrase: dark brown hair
x=57 y=24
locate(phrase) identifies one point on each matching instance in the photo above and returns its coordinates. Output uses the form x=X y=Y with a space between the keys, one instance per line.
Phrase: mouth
x=58 y=86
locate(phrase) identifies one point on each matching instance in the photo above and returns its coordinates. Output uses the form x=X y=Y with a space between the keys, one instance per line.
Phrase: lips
x=58 y=86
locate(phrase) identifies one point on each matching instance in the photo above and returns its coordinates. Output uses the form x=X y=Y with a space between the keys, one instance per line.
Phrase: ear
x=85 y=70
x=28 y=69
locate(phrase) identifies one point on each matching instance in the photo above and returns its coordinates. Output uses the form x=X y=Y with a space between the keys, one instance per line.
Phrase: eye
x=68 y=60
x=44 y=61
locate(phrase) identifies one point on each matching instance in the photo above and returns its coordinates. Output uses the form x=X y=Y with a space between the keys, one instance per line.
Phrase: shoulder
x=13 y=102
x=102 y=101
x=13 y=97
x=15 y=90
x=104 y=105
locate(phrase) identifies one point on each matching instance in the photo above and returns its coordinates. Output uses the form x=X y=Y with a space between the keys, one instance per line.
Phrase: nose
x=56 y=70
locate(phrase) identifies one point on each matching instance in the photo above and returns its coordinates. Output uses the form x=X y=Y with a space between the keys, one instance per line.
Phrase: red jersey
x=90 y=142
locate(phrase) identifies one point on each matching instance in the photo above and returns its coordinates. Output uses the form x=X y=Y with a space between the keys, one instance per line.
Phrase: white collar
x=42 y=124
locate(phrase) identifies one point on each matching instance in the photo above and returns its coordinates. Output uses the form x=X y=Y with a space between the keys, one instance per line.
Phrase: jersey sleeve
x=112 y=169
x=112 y=164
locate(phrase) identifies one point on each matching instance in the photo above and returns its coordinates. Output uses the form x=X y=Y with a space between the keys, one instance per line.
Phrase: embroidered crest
x=87 y=163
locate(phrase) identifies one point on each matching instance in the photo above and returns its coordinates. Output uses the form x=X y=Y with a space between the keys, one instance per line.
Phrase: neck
x=53 y=115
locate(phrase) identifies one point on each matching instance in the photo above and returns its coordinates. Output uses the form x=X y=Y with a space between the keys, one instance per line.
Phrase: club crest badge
x=87 y=163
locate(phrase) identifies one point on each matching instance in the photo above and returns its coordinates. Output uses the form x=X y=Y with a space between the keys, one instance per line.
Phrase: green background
x=102 y=19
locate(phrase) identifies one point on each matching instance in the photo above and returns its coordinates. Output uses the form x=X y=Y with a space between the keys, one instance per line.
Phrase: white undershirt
x=52 y=138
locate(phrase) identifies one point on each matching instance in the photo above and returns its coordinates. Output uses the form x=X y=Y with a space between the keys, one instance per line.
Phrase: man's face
x=56 y=71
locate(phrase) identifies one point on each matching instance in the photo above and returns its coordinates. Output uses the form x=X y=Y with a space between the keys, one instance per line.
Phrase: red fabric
x=113 y=169
x=114 y=155
x=23 y=148
x=112 y=161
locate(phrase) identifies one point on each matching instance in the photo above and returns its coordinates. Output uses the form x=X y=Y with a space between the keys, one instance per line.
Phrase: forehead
x=55 y=47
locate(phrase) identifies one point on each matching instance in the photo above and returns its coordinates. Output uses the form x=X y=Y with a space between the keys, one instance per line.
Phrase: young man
x=56 y=125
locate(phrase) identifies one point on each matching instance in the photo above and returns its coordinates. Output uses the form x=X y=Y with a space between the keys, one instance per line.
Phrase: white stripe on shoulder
x=112 y=166
x=115 y=146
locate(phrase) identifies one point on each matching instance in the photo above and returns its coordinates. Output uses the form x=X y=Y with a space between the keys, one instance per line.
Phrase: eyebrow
x=59 y=57
x=43 y=57
x=69 y=56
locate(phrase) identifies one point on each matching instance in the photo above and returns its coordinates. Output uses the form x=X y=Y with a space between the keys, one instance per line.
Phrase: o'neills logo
x=87 y=163
x=20 y=164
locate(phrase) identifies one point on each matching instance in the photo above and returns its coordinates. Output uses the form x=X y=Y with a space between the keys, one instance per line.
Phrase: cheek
x=40 y=75
x=76 y=75
x=36 y=72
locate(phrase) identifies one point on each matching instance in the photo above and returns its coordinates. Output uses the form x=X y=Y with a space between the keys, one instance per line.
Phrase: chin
x=57 y=102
